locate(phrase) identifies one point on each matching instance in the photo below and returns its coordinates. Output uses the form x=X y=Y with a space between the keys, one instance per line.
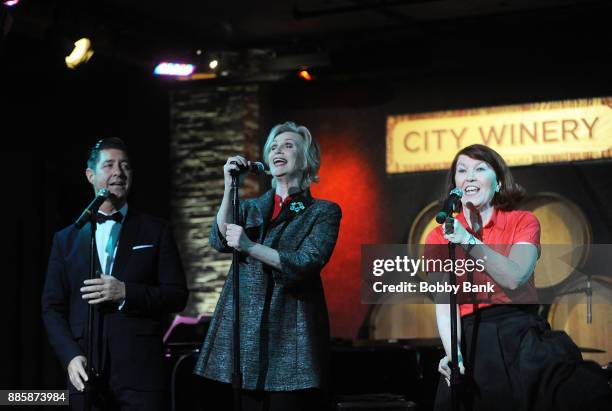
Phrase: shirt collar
x=497 y=221
x=292 y=196
x=279 y=200
x=123 y=210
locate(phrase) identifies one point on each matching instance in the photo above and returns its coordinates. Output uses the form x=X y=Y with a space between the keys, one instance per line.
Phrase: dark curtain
x=49 y=119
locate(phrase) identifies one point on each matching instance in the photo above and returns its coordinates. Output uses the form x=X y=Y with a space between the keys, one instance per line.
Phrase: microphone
x=255 y=167
x=102 y=195
x=450 y=205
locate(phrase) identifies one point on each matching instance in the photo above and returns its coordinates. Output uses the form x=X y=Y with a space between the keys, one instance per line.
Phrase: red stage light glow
x=349 y=179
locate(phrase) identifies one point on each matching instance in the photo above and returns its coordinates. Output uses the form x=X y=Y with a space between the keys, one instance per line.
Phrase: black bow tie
x=102 y=218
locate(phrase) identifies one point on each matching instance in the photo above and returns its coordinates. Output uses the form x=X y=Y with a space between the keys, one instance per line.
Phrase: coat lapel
x=84 y=245
x=296 y=207
x=264 y=204
x=127 y=238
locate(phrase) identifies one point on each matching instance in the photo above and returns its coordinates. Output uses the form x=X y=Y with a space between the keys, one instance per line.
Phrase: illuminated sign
x=522 y=134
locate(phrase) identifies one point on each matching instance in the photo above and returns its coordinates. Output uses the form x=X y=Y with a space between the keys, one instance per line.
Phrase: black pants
x=110 y=393
x=515 y=362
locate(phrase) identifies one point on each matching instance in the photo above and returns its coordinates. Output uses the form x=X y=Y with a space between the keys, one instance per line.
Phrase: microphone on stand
x=255 y=167
x=92 y=208
x=450 y=205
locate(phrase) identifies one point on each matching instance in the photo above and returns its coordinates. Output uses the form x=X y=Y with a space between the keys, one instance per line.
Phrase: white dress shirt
x=107 y=240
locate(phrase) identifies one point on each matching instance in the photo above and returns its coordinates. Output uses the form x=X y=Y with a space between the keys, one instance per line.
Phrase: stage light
x=166 y=68
x=213 y=64
x=10 y=3
x=304 y=75
x=81 y=53
x=198 y=76
x=6 y=19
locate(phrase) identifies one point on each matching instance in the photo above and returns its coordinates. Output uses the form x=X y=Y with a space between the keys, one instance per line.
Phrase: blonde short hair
x=311 y=153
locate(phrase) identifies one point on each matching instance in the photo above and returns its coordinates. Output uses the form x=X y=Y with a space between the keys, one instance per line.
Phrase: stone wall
x=208 y=124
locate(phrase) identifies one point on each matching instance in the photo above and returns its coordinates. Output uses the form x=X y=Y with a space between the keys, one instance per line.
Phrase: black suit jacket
x=147 y=261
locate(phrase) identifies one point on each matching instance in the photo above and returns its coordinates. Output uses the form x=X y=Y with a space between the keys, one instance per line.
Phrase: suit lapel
x=127 y=238
x=84 y=244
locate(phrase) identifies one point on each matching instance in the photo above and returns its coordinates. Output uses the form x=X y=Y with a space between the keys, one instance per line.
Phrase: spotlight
x=213 y=64
x=167 y=68
x=81 y=53
x=304 y=75
x=6 y=19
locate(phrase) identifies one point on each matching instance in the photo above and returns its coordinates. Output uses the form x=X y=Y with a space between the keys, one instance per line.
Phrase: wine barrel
x=569 y=313
x=424 y=222
x=414 y=319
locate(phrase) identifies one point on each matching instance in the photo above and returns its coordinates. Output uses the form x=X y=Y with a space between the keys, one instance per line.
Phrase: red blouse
x=278 y=205
x=503 y=230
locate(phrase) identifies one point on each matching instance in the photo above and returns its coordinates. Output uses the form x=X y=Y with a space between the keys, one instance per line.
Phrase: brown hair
x=510 y=193
x=104 y=144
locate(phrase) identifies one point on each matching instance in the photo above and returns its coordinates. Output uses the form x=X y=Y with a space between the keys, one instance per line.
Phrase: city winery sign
x=523 y=134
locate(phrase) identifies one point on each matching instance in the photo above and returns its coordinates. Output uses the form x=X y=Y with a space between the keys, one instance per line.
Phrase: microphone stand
x=588 y=290
x=454 y=365
x=89 y=385
x=236 y=374
x=589 y=293
x=88 y=216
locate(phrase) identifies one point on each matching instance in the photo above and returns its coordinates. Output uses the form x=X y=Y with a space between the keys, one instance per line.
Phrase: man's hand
x=76 y=372
x=105 y=288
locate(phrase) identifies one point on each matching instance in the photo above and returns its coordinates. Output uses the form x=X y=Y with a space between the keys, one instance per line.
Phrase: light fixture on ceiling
x=167 y=68
x=304 y=74
x=81 y=53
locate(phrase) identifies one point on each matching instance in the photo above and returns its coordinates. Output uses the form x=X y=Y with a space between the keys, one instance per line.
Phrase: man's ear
x=89 y=173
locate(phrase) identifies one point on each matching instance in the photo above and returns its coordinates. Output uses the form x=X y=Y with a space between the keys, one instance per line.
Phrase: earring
x=498 y=187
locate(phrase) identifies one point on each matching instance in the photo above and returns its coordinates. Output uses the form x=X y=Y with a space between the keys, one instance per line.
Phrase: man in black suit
x=141 y=279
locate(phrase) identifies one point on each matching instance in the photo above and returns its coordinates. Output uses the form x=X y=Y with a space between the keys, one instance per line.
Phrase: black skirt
x=514 y=361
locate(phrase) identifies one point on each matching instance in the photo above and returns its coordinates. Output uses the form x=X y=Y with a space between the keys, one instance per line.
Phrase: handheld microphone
x=102 y=195
x=255 y=167
x=450 y=205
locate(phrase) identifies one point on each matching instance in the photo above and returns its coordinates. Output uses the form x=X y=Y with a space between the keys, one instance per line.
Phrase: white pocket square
x=138 y=247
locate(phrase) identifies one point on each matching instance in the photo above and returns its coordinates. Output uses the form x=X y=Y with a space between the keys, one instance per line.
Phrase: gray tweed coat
x=284 y=324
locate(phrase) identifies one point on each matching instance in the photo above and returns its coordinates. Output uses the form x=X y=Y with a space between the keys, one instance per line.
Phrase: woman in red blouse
x=511 y=360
